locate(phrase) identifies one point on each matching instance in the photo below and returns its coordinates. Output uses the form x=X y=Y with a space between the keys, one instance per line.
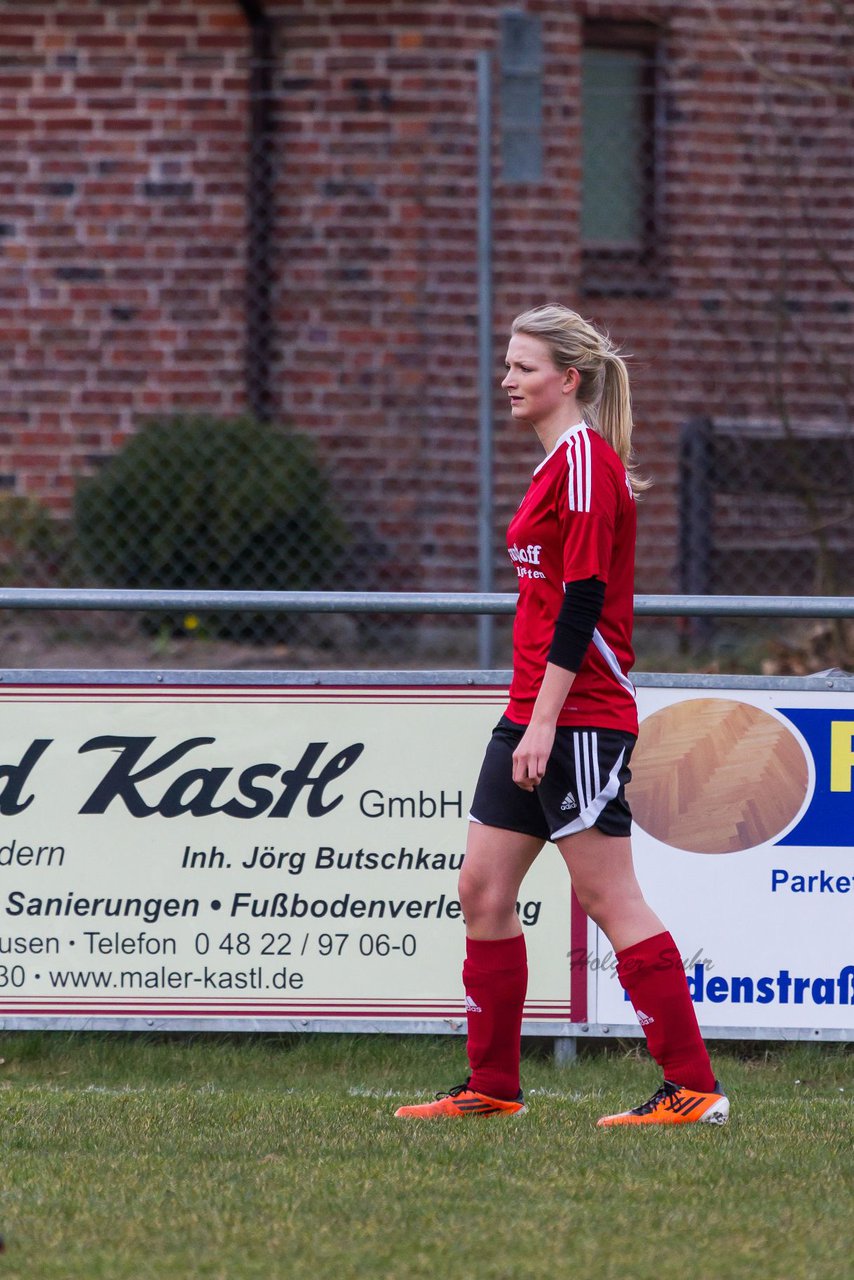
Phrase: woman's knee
x=482 y=898
x=494 y=867
x=594 y=902
x=606 y=904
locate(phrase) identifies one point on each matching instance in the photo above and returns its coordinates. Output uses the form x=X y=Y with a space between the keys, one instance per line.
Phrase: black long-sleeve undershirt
x=576 y=622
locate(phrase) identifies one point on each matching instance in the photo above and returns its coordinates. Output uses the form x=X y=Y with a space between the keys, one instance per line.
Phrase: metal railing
x=407 y=602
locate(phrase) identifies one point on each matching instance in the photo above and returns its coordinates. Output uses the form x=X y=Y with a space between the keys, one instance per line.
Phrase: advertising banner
x=744 y=826
x=267 y=853
x=275 y=857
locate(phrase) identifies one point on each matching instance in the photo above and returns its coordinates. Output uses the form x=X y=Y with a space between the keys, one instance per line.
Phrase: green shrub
x=33 y=545
x=205 y=503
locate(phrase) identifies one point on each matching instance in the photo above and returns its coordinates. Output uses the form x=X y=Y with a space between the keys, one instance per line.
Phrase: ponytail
x=614 y=415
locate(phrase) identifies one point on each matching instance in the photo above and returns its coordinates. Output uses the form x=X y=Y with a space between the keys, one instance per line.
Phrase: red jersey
x=578 y=520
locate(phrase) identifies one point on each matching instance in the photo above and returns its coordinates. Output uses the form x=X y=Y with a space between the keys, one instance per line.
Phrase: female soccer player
x=558 y=761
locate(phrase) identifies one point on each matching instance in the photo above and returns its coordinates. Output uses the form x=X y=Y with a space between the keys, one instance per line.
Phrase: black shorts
x=584 y=784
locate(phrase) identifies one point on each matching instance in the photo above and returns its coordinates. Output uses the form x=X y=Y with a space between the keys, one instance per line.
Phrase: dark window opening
x=621 y=159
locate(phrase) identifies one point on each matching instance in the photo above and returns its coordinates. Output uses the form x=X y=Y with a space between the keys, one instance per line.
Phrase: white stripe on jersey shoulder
x=579 y=471
x=567 y=435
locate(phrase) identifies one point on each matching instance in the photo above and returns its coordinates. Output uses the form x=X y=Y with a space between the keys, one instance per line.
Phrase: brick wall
x=122 y=178
x=122 y=245
x=760 y=142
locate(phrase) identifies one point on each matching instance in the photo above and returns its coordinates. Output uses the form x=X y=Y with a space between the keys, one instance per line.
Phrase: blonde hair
x=603 y=392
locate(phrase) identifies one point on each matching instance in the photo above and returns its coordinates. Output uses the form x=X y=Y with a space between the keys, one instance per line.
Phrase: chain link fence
x=765 y=510
x=768 y=508
x=240 y=476
x=198 y=502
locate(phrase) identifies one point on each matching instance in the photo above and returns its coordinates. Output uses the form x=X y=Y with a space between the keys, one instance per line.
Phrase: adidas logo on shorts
x=472 y=1006
x=644 y=1018
x=568 y=802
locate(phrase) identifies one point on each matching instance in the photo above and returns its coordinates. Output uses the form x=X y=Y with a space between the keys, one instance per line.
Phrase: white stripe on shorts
x=592 y=805
x=585 y=749
x=580 y=780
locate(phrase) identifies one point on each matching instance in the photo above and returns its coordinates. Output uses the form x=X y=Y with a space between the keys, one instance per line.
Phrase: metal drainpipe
x=260 y=206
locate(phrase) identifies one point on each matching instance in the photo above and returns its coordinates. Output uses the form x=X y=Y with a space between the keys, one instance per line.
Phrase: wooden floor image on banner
x=712 y=775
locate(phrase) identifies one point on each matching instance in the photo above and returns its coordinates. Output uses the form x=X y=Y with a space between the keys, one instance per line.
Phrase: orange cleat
x=462 y=1101
x=671 y=1104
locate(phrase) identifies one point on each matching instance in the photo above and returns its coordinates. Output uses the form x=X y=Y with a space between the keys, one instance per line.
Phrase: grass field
x=127 y=1157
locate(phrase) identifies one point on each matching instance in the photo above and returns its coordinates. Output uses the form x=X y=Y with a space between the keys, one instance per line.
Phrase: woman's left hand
x=532 y=755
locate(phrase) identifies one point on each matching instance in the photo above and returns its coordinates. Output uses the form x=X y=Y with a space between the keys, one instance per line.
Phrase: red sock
x=651 y=972
x=495 y=976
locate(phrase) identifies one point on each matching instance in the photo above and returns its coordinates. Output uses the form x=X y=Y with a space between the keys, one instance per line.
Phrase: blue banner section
x=829 y=819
